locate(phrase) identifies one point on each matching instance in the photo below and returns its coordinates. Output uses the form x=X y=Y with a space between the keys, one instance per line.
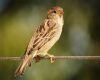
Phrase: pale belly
x=50 y=43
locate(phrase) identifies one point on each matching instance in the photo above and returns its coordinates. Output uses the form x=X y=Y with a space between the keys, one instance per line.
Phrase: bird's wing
x=44 y=33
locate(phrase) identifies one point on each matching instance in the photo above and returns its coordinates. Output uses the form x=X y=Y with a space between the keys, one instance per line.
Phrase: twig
x=58 y=57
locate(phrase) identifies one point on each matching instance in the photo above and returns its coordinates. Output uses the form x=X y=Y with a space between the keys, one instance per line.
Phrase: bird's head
x=55 y=11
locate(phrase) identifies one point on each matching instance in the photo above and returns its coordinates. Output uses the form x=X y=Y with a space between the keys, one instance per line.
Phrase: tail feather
x=26 y=62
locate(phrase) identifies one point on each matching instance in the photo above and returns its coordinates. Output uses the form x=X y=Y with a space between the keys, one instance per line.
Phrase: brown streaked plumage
x=46 y=35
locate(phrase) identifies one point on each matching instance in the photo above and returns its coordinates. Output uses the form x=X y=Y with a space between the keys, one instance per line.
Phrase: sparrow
x=46 y=35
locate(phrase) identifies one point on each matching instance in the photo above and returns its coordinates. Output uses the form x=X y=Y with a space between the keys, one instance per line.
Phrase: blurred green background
x=80 y=36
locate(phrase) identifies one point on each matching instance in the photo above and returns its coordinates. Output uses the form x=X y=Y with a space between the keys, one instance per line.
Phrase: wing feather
x=44 y=33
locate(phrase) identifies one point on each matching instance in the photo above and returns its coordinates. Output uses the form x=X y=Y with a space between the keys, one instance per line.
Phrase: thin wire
x=58 y=57
x=10 y=58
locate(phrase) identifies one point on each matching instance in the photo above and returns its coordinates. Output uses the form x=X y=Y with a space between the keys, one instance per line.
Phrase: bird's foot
x=37 y=58
x=52 y=59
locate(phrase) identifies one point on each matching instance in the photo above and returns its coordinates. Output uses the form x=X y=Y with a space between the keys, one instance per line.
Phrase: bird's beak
x=62 y=12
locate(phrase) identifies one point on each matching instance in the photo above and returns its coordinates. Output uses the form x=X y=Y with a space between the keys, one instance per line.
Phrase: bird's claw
x=52 y=59
x=37 y=58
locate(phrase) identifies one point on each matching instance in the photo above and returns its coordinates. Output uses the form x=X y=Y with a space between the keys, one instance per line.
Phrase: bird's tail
x=26 y=62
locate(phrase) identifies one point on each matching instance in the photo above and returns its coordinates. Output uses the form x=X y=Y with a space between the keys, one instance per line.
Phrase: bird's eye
x=54 y=11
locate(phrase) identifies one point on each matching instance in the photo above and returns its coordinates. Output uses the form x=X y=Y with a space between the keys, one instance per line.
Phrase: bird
x=45 y=36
